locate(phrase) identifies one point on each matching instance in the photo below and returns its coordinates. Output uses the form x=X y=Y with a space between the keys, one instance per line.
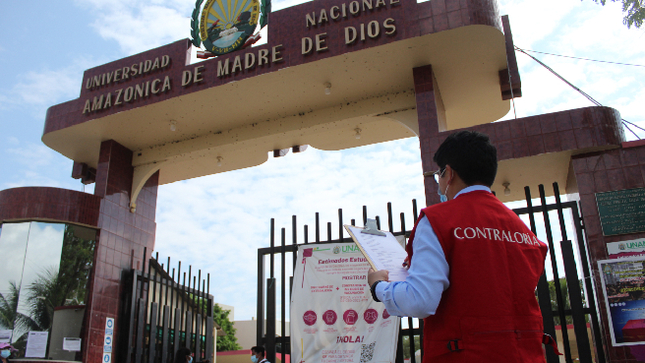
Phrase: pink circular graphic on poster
x=310 y=318
x=370 y=316
x=350 y=317
x=329 y=317
x=385 y=314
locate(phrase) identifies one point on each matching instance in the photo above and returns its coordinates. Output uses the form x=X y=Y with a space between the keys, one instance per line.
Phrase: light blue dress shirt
x=419 y=295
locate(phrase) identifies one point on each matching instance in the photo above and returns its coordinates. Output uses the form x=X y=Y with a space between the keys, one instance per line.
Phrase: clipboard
x=382 y=250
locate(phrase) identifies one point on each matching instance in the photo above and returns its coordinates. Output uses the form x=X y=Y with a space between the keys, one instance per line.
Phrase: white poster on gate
x=333 y=316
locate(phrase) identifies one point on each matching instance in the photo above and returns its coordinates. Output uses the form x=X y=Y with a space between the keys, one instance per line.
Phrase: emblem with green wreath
x=228 y=25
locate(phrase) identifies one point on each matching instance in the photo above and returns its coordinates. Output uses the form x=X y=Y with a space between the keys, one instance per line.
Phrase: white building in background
x=245 y=330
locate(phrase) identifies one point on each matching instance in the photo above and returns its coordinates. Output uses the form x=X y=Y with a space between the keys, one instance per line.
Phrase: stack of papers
x=382 y=252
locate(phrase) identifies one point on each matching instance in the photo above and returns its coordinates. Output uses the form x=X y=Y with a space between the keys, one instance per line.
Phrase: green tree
x=633 y=10
x=65 y=285
x=38 y=296
x=228 y=341
x=10 y=318
x=406 y=346
x=9 y=306
x=75 y=265
x=55 y=286
x=567 y=302
x=43 y=295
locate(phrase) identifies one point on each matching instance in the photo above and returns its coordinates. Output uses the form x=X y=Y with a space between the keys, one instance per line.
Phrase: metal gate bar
x=590 y=295
x=573 y=285
x=149 y=332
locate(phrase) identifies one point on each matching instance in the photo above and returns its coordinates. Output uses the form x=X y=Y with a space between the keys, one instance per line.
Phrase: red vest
x=490 y=312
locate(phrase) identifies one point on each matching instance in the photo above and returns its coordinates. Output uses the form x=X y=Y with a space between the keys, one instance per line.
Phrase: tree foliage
x=63 y=286
x=9 y=307
x=229 y=341
x=75 y=265
x=55 y=286
x=10 y=318
x=566 y=301
x=406 y=345
x=633 y=10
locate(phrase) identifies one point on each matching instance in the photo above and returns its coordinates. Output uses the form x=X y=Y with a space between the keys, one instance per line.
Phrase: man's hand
x=373 y=276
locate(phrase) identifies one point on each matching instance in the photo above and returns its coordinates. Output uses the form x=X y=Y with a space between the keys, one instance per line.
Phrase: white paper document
x=36 y=344
x=72 y=344
x=382 y=252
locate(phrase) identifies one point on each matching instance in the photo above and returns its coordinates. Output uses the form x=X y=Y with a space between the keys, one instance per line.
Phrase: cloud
x=218 y=222
x=137 y=26
x=43 y=245
x=35 y=165
x=4 y=102
x=36 y=91
x=578 y=29
x=594 y=30
x=13 y=238
x=12 y=140
x=34 y=155
x=532 y=21
x=612 y=85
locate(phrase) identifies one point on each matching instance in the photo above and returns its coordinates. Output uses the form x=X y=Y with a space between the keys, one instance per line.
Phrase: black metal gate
x=568 y=303
x=565 y=291
x=161 y=315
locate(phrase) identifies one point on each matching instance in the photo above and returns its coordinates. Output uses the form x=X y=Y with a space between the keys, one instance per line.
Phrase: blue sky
x=217 y=223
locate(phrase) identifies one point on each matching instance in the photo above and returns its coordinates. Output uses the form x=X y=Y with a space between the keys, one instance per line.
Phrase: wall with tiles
x=120 y=244
x=611 y=170
x=49 y=204
x=121 y=239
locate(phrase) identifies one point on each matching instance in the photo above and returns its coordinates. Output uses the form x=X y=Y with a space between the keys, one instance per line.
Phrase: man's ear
x=450 y=174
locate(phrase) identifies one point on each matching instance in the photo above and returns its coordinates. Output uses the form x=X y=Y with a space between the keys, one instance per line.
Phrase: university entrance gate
x=565 y=292
x=422 y=69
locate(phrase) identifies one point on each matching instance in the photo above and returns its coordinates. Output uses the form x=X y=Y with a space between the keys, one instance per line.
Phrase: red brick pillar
x=121 y=239
x=605 y=171
x=428 y=127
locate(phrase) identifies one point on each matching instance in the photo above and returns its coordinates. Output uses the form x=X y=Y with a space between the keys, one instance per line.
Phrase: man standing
x=257 y=355
x=473 y=264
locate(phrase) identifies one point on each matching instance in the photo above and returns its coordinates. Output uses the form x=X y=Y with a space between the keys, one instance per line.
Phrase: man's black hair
x=259 y=349
x=182 y=354
x=471 y=155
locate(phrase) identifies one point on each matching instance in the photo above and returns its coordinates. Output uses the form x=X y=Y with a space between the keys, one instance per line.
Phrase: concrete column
x=609 y=170
x=427 y=111
x=121 y=239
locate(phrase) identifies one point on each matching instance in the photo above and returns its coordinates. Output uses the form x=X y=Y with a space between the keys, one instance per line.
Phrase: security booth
x=332 y=75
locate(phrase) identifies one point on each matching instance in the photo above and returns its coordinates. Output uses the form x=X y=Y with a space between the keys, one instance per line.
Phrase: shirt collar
x=472 y=188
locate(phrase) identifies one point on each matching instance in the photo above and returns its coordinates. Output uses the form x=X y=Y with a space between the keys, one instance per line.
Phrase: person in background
x=257 y=355
x=473 y=266
x=5 y=352
x=185 y=355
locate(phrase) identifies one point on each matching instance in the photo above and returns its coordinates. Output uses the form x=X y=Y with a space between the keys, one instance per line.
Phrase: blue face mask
x=190 y=360
x=5 y=353
x=442 y=196
x=254 y=359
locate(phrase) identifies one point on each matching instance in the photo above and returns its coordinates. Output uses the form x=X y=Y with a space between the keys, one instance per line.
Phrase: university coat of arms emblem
x=227 y=25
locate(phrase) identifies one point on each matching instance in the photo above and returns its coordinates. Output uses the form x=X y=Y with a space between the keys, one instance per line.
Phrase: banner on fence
x=333 y=316
x=623 y=282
